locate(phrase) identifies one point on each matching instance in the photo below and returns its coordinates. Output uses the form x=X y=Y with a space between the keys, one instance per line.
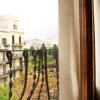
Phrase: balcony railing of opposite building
x=3 y=75
x=17 y=45
x=4 y=47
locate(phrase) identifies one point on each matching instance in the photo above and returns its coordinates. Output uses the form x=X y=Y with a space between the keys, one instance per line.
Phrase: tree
x=55 y=51
x=31 y=48
x=4 y=91
x=50 y=51
x=43 y=47
x=55 y=46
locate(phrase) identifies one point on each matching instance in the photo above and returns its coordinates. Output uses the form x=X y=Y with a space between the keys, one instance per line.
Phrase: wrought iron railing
x=40 y=73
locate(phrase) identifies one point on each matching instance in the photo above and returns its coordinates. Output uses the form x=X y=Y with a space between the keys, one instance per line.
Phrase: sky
x=38 y=18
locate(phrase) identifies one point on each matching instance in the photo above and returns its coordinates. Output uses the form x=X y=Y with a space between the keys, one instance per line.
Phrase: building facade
x=11 y=38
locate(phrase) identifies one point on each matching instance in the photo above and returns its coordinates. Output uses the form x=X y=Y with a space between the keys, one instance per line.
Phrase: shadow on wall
x=97 y=94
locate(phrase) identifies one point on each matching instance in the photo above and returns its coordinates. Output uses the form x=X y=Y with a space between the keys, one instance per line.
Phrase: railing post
x=9 y=57
x=42 y=65
x=25 y=54
x=34 y=54
x=57 y=71
x=35 y=83
x=46 y=76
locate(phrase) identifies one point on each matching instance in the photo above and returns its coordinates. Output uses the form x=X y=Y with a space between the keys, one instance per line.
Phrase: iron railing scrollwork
x=40 y=68
x=34 y=54
x=25 y=55
x=57 y=68
x=9 y=57
x=46 y=76
x=42 y=71
x=57 y=71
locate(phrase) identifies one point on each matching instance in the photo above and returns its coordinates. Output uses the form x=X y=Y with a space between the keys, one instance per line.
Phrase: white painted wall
x=69 y=49
x=97 y=42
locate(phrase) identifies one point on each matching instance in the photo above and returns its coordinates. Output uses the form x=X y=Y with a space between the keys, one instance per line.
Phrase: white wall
x=68 y=49
x=97 y=42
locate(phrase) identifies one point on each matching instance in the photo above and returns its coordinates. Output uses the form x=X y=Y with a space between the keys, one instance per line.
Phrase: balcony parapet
x=17 y=45
x=17 y=68
x=4 y=75
x=3 y=63
x=16 y=57
x=4 y=47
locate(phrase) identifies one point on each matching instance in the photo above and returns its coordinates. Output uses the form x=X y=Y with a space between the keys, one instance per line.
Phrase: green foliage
x=30 y=59
x=30 y=68
x=43 y=46
x=4 y=92
x=55 y=46
x=55 y=51
x=31 y=48
x=49 y=51
x=50 y=58
x=25 y=48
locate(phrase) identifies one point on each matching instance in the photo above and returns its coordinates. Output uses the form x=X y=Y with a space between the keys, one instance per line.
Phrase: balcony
x=17 y=56
x=17 y=45
x=16 y=68
x=39 y=79
x=4 y=47
x=2 y=62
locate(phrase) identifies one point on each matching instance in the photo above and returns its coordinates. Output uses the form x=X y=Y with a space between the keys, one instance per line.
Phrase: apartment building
x=11 y=38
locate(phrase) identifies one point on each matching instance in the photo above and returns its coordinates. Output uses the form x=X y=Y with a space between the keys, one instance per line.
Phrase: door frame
x=87 y=50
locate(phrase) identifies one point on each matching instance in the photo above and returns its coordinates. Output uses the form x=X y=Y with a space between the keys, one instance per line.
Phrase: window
x=12 y=39
x=15 y=27
x=19 y=40
x=4 y=41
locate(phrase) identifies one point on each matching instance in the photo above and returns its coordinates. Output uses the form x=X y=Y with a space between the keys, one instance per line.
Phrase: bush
x=4 y=92
x=50 y=58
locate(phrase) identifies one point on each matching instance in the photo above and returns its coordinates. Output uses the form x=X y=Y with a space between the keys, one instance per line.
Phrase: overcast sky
x=38 y=18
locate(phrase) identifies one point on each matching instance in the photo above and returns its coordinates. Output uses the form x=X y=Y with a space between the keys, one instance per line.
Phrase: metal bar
x=25 y=54
x=34 y=54
x=46 y=74
x=9 y=57
x=33 y=89
x=24 y=50
x=41 y=55
x=57 y=69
